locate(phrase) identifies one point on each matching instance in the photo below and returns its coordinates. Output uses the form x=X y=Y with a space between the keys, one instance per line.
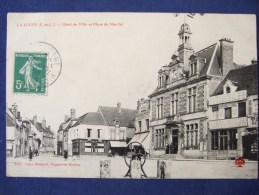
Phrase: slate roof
x=91 y=118
x=126 y=116
x=245 y=78
x=40 y=128
x=207 y=53
x=213 y=60
x=9 y=121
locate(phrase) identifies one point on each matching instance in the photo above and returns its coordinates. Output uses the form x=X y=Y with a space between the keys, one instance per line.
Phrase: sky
x=104 y=65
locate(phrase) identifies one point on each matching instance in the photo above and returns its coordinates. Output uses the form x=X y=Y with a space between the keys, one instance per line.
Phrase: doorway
x=174 y=146
x=94 y=146
x=250 y=146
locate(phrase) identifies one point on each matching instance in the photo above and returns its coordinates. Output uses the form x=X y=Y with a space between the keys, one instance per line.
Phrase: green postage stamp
x=30 y=73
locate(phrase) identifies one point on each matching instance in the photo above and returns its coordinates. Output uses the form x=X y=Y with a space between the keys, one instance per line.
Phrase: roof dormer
x=163 y=76
x=229 y=87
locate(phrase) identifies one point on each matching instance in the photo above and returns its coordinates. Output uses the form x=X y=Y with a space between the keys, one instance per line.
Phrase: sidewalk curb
x=203 y=160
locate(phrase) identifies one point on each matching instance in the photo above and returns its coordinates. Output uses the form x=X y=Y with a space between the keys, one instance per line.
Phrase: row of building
x=204 y=106
x=25 y=135
x=106 y=131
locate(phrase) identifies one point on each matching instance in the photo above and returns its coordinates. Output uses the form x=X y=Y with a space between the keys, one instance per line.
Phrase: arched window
x=227 y=89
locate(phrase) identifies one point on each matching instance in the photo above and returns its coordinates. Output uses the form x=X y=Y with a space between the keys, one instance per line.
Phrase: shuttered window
x=250 y=109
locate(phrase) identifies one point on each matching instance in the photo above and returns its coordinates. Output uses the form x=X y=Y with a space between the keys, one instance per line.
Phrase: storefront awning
x=118 y=144
x=143 y=138
x=135 y=138
x=146 y=143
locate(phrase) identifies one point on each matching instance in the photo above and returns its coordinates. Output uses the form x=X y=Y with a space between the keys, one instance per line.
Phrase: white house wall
x=10 y=133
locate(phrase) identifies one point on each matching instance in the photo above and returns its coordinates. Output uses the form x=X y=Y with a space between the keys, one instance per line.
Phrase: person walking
x=30 y=154
x=162 y=169
x=65 y=155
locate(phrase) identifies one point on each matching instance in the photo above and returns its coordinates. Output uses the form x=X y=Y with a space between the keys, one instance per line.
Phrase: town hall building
x=179 y=104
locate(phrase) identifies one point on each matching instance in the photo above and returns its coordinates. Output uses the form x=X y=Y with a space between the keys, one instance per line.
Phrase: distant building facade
x=121 y=126
x=89 y=135
x=142 y=124
x=44 y=137
x=62 y=134
x=24 y=135
x=97 y=133
x=17 y=134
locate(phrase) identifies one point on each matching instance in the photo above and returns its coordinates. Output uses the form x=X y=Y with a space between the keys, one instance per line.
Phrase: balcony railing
x=171 y=120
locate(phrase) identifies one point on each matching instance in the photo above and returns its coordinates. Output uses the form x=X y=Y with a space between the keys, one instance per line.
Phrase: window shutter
x=250 y=107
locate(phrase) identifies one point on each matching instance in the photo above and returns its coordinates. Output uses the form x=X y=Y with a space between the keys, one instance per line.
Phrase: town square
x=89 y=167
x=177 y=99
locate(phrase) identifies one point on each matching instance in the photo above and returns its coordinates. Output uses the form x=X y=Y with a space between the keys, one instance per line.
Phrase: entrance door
x=174 y=147
x=94 y=146
x=250 y=147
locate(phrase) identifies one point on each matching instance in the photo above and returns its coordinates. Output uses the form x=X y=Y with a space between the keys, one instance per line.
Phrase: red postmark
x=240 y=161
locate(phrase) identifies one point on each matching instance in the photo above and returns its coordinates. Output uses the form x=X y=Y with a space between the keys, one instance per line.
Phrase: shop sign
x=253 y=121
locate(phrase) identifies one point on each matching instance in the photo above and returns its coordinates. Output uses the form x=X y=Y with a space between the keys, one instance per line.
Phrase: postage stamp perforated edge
x=13 y=62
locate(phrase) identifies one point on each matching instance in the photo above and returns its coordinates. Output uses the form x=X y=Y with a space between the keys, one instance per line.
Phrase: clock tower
x=185 y=49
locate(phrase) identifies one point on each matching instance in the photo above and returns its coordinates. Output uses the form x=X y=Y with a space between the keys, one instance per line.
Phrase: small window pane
x=227 y=113
x=241 y=109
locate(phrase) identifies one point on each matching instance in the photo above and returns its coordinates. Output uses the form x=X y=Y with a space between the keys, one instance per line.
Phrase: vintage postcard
x=131 y=95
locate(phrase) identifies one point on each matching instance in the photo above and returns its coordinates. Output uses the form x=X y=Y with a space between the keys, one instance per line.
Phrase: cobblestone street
x=88 y=167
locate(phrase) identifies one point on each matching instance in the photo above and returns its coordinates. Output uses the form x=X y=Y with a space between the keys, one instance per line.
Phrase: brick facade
x=153 y=103
x=200 y=98
x=167 y=103
x=201 y=128
x=182 y=109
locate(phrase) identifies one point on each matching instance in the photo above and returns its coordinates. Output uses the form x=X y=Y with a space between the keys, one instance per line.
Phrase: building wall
x=80 y=132
x=118 y=133
x=240 y=124
x=182 y=101
x=167 y=100
x=92 y=147
x=201 y=98
x=153 y=108
x=186 y=118
x=142 y=117
x=10 y=141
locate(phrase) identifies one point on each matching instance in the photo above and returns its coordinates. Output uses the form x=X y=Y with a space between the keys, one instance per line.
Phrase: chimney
x=119 y=107
x=44 y=123
x=18 y=115
x=253 y=61
x=66 y=117
x=35 y=119
x=226 y=56
x=72 y=113
x=138 y=105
